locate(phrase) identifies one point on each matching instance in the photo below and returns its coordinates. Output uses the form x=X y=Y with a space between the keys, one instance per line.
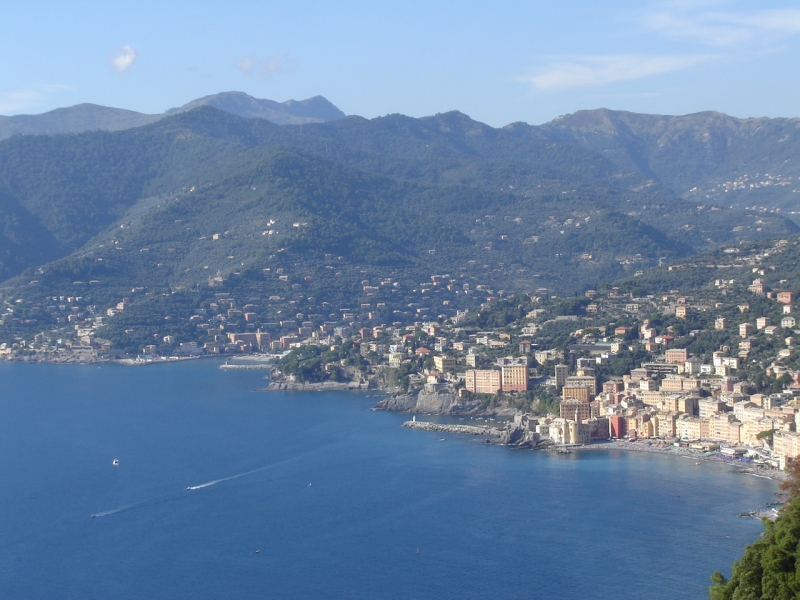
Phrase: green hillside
x=705 y=157
x=75 y=186
x=328 y=215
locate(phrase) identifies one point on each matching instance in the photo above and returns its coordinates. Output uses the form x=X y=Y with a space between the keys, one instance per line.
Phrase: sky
x=499 y=62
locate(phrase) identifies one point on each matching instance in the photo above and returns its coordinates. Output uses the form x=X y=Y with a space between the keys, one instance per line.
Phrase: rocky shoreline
x=437 y=402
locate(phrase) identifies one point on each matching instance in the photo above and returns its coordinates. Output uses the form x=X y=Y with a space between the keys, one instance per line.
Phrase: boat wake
x=105 y=513
x=245 y=474
x=173 y=496
x=136 y=505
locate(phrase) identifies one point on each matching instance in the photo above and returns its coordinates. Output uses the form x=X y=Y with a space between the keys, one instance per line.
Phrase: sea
x=222 y=491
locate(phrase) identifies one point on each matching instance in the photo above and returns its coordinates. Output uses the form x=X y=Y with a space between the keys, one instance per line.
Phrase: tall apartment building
x=562 y=372
x=514 y=378
x=511 y=378
x=575 y=409
x=481 y=381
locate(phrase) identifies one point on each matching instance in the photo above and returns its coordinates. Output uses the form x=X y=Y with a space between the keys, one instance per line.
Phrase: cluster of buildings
x=512 y=375
x=707 y=397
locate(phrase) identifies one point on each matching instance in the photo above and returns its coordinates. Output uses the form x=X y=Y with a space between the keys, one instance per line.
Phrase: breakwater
x=459 y=429
x=324 y=386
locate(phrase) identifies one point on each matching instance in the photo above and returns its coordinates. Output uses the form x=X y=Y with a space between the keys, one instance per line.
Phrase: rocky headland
x=439 y=401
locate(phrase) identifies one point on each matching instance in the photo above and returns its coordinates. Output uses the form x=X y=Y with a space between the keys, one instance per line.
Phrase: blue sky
x=499 y=62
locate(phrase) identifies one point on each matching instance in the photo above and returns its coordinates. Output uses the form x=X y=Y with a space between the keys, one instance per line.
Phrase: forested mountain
x=91 y=117
x=206 y=198
x=74 y=119
x=707 y=158
x=703 y=157
x=291 y=112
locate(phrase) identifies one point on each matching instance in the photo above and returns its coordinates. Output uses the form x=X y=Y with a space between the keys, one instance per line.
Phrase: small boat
x=115 y=462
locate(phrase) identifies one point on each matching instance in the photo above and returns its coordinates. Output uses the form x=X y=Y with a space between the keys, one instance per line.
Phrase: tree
x=770 y=568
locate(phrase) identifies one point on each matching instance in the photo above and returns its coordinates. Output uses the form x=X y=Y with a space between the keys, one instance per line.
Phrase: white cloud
x=590 y=71
x=263 y=68
x=725 y=28
x=14 y=101
x=733 y=34
x=123 y=59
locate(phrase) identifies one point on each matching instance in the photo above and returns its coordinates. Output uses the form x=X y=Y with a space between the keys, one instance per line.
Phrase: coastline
x=74 y=358
x=505 y=437
x=435 y=403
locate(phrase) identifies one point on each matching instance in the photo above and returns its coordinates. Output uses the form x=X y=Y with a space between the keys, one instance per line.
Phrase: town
x=714 y=369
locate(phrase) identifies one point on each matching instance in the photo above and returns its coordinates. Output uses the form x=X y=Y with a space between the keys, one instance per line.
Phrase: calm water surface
x=339 y=501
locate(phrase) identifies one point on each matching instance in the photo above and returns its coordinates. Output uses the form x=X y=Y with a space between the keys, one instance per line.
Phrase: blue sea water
x=312 y=495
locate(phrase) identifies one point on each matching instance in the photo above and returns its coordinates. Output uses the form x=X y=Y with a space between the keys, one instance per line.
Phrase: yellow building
x=666 y=423
x=751 y=429
x=583 y=394
x=688 y=428
x=687 y=404
x=786 y=444
x=725 y=427
x=679 y=384
x=444 y=364
x=589 y=382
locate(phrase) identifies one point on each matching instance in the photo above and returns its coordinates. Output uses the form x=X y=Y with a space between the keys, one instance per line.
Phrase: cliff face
x=438 y=402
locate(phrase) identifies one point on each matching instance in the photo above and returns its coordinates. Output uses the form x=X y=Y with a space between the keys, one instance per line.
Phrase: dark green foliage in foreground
x=770 y=568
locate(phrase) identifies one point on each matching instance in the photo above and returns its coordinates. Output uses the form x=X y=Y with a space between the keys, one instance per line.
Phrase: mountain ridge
x=705 y=156
x=85 y=117
x=77 y=187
